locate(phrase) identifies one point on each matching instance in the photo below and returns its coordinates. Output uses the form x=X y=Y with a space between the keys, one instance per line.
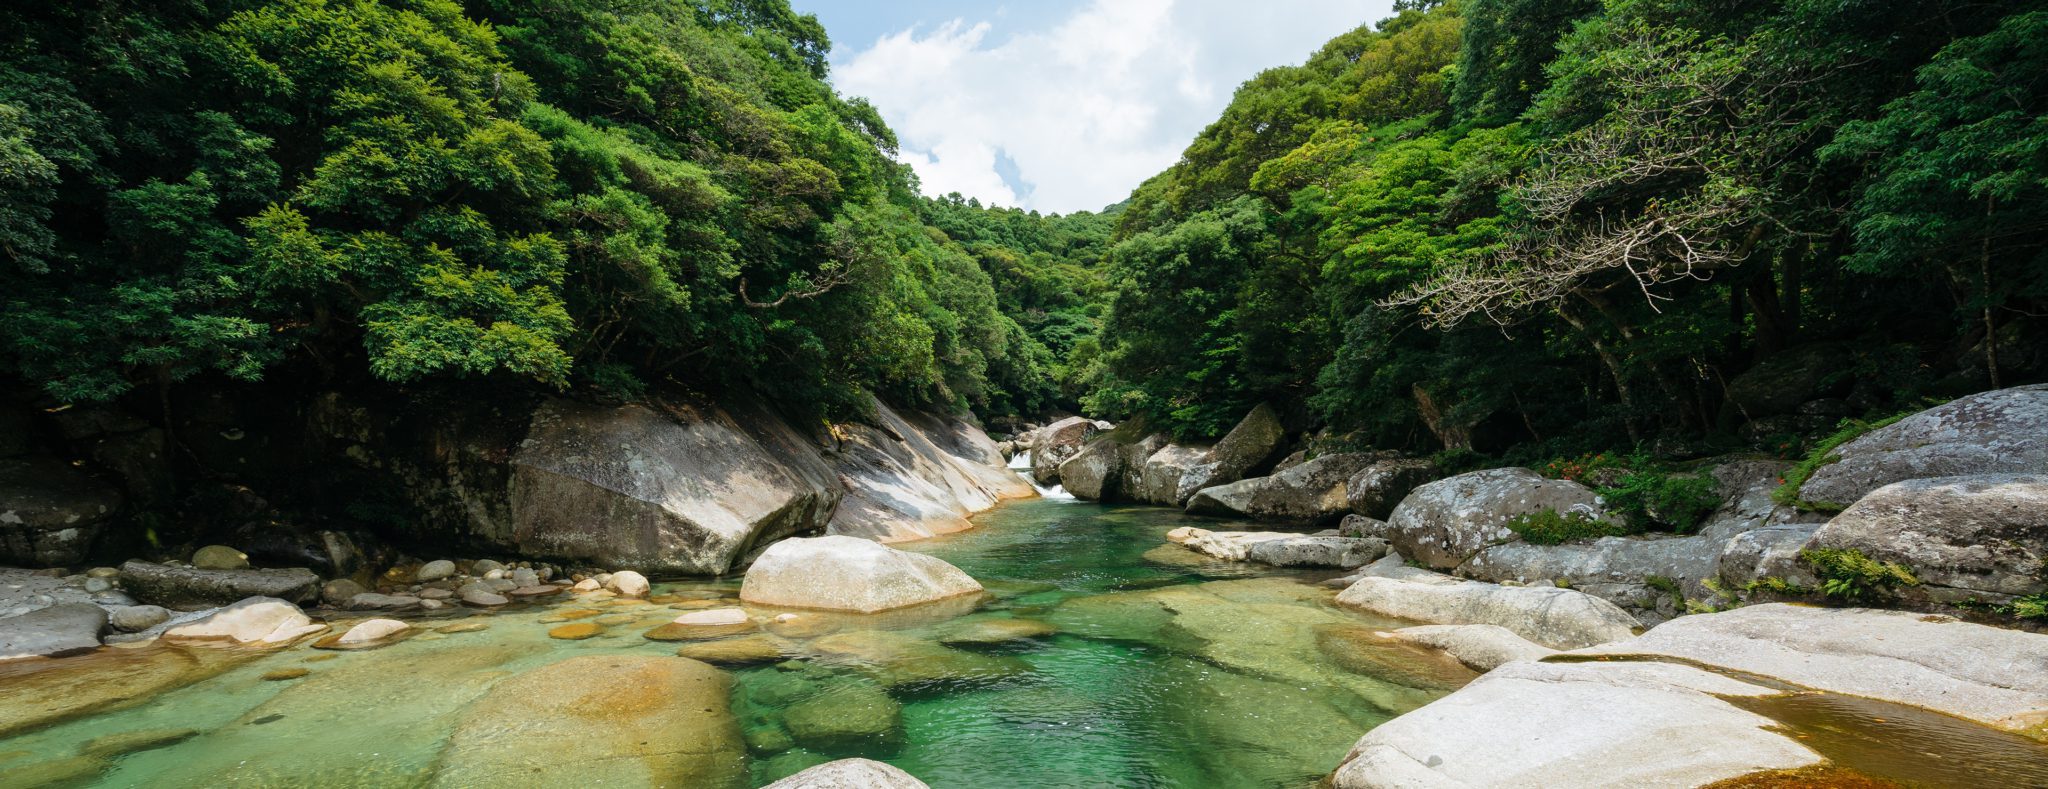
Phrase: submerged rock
x=838 y=573
x=751 y=650
x=1997 y=432
x=1557 y=618
x=846 y=717
x=1576 y=724
x=56 y=631
x=989 y=632
x=1980 y=537
x=175 y=587
x=610 y=720
x=1985 y=674
x=899 y=661
x=850 y=774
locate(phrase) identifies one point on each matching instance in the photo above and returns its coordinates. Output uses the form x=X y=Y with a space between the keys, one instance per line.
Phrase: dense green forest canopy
x=1477 y=224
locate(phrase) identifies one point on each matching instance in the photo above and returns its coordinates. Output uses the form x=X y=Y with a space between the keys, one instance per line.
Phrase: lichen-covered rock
x=1283 y=549
x=1576 y=724
x=1985 y=674
x=1979 y=537
x=1445 y=522
x=1378 y=488
x=838 y=573
x=1057 y=443
x=1556 y=618
x=50 y=512
x=181 y=587
x=1312 y=492
x=691 y=491
x=611 y=720
x=1111 y=467
x=917 y=475
x=1997 y=432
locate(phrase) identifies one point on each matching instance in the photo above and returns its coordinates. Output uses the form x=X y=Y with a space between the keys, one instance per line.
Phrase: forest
x=1478 y=226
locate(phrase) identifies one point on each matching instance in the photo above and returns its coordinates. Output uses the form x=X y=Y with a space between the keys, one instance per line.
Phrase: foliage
x=1679 y=502
x=1550 y=527
x=1849 y=575
x=2030 y=607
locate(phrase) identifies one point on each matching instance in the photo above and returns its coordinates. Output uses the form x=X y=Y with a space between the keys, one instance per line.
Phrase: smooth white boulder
x=837 y=573
x=1623 y=725
x=850 y=774
x=1482 y=648
x=263 y=621
x=628 y=583
x=373 y=630
x=1990 y=675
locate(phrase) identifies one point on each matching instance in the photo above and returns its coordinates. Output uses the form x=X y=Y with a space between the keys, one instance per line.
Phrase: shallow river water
x=1140 y=665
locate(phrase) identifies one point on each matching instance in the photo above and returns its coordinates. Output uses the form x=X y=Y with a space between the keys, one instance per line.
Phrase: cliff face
x=683 y=488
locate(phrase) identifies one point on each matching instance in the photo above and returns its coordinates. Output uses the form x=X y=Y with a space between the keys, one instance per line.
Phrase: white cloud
x=1087 y=109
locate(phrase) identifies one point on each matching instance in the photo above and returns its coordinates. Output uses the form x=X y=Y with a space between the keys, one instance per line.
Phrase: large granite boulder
x=56 y=631
x=1986 y=674
x=838 y=573
x=1997 y=432
x=1173 y=474
x=1378 y=488
x=1313 y=492
x=696 y=490
x=1056 y=443
x=1556 y=618
x=850 y=774
x=187 y=587
x=1621 y=725
x=1981 y=537
x=1252 y=446
x=917 y=475
x=611 y=720
x=50 y=512
x=1445 y=522
x=1112 y=466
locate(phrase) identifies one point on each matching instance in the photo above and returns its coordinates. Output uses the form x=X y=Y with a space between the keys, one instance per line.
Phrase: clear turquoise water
x=1162 y=669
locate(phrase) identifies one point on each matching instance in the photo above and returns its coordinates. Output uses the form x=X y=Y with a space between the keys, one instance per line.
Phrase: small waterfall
x=1021 y=463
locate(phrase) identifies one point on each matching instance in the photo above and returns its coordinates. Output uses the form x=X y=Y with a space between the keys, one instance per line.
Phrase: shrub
x=1678 y=501
x=1550 y=527
x=1847 y=574
x=2031 y=607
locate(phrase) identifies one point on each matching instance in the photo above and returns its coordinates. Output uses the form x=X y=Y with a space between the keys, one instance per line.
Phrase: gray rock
x=1056 y=443
x=838 y=573
x=50 y=512
x=56 y=631
x=1282 y=549
x=1356 y=525
x=339 y=591
x=482 y=566
x=1482 y=648
x=1998 y=432
x=1445 y=522
x=689 y=491
x=1983 y=537
x=434 y=571
x=1174 y=474
x=850 y=774
x=1379 y=487
x=98 y=585
x=1111 y=467
x=1771 y=551
x=481 y=594
x=1985 y=674
x=177 y=587
x=1556 y=618
x=847 y=716
x=1312 y=492
x=914 y=475
x=1530 y=724
x=137 y=618
x=523 y=577
x=1256 y=442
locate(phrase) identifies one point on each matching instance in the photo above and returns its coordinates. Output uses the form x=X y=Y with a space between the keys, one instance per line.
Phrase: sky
x=1061 y=105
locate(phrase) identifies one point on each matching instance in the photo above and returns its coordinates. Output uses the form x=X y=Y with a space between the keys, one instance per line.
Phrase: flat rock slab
x=1556 y=618
x=262 y=621
x=1286 y=549
x=850 y=774
x=177 y=587
x=61 y=629
x=1990 y=675
x=1480 y=647
x=1530 y=724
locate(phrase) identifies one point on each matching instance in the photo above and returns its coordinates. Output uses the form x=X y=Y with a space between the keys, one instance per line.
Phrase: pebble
x=97 y=585
x=482 y=566
x=138 y=618
x=434 y=571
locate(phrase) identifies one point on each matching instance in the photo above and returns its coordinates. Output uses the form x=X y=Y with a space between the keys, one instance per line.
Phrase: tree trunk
x=1984 y=280
x=1613 y=364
